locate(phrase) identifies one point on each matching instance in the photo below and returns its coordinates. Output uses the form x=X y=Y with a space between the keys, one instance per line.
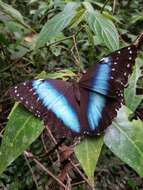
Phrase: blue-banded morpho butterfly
x=86 y=107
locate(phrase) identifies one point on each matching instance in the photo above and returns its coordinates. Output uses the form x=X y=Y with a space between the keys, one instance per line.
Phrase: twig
x=45 y=148
x=59 y=41
x=2 y=131
x=77 y=59
x=54 y=141
x=77 y=169
x=56 y=42
x=30 y=155
x=50 y=134
x=138 y=42
x=69 y=181
x=46 y=14
x=30 y=168
x=114 y=6
x=102 y=9
x=78 y=183
x=75 y=45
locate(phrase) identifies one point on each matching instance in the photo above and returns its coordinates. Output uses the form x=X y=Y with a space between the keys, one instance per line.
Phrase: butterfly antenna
x=139 y=41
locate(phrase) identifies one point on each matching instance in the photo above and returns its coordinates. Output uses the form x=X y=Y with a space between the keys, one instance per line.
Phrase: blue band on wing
x=95 y=107
x=57 y=103
x=102 y=75
x=96 y=101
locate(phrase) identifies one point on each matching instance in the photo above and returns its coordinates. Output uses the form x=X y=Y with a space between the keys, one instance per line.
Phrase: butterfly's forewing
x=110 y=75
x=102 y=88
x=53 y=101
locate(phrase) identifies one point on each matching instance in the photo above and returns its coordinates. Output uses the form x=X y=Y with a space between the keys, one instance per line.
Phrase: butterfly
x=86 y=107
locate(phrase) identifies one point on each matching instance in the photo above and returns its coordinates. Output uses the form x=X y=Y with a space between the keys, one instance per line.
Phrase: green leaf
x=136 y=18
x=55 y=25
x=104 y=29
x=11 y=11
x=111 y=17
x=125 y=139
x=78 y=18
x=17 y=52
x=14 y=14
x=88 y=6
x=88 y=152
x=98 y=4
x=21 y=130
x=62 y=74
x=131 y=99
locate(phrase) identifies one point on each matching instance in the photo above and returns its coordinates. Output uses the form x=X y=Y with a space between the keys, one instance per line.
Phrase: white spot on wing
x=105 y=60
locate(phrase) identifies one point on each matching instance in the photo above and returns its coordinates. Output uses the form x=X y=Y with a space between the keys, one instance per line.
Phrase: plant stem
x=102 y=9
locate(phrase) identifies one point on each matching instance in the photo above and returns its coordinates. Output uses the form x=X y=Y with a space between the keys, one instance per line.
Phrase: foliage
x=88 y=152
x=62 y=37
x=22 y=129
x=124 y=138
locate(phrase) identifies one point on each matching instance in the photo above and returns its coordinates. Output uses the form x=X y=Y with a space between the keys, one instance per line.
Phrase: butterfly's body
x=86 y=107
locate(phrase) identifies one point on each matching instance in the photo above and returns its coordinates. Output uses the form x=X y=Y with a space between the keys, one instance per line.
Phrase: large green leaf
x=104 y=29
x=14 y=14
x=131 y=99
x=125 y=140
x=11 y=11
x=22 y=129
x=55 y=25
x=87 y=152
